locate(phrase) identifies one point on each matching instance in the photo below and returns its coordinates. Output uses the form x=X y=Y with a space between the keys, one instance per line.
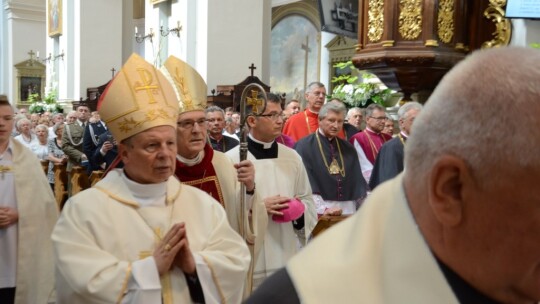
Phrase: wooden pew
x=45 y=165
x=79 y=180
x=95 y=177
x=60 y=185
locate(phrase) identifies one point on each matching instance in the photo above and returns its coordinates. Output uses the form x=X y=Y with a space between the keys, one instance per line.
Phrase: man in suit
x=93 y=130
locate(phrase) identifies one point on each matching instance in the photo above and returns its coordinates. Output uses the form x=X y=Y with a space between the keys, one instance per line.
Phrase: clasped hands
x=173 y=250
x=276 y=203
x=8 y=217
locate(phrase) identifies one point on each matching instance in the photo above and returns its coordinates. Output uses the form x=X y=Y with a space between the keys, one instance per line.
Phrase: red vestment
x=370 y=142
x=302 y=124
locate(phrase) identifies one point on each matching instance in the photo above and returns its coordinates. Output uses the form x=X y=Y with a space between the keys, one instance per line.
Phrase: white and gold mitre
x=188 y=84
x=137 y=99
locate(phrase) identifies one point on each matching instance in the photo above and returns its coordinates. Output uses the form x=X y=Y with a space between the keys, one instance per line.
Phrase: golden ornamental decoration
x=375 y=20
x=410 y=18
x=445 y=20
x=503 y=27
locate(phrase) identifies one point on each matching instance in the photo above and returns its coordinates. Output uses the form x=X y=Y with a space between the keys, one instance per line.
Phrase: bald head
x=471 y=173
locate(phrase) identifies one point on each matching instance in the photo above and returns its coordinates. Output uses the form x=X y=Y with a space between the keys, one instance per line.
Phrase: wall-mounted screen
x=339 y=17
x=526 y=9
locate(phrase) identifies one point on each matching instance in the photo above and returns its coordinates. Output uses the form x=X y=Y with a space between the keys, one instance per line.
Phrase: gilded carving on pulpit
x=445 y=20
x=54 y=17
x=495 y=12
x=375 y=20
x=410 y=18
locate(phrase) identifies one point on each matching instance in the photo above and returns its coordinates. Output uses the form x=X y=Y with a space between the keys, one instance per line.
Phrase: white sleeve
x=320 y=204
x=144 y=285
x=365 y=165
x=210 y=291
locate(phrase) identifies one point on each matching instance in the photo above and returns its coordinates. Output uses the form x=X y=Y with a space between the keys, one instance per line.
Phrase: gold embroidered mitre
x=137 y=99
x=188 y=84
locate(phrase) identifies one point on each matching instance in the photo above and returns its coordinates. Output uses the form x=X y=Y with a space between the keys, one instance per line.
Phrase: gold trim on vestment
x=200 y=181
x=218 y=287
x=125 y=285
x=116 y=198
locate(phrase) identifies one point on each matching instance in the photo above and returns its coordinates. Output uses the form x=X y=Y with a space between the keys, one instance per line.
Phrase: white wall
x=237 y=34
x=23 y=29
x=525 y=32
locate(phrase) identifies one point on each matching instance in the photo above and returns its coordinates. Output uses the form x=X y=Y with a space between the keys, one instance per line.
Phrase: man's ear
x=123 y=153
x=447 y=184
x=251 y=121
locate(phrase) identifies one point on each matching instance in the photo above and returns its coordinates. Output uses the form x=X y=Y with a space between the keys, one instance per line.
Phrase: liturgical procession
x=269 y=151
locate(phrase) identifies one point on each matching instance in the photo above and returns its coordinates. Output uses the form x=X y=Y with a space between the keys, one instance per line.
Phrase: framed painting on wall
x=294 y=57
x=54 y=17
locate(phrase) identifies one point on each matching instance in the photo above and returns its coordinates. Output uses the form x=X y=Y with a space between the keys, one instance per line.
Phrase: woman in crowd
x=24 y=126
x=56 y=155
x=39 y=147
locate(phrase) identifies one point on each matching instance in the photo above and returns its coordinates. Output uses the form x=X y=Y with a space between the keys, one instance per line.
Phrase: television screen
x=339 y=17
x=527 y=9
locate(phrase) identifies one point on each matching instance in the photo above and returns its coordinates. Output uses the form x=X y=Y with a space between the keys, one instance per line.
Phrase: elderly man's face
x=355 y=119
x=292 y=108
x=499 y=238
x=315 y=98
x=332 y=124
x=376 y=121
x=216 y=123
x=191 y=133
x=149 y=157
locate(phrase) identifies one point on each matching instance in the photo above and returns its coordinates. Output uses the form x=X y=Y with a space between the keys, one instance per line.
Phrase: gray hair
x=353 y=110
x=56 y=126
x=404 y=109
x=211 y=109
x=21 y=121
x=372 y=107
x=335 y=107
x=314 y=85
x=42 y=126
x=478 y=113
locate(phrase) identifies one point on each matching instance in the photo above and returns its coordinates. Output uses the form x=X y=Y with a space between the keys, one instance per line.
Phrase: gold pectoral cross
x=255 y=102
x=166 y=291
x=334 y=167
x=146 y=84
x=4 y=169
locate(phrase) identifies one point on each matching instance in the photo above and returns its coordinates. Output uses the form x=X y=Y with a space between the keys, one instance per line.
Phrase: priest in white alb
x=139 y=236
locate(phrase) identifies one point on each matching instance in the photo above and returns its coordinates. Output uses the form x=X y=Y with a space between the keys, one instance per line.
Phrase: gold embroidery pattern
x=146 y=85
x=445 y=20
x=503 y=27
x=410 y=18
x=183 y=90
x=255 y=102
x=129 y=124
x=214 y=179
x=375 y=20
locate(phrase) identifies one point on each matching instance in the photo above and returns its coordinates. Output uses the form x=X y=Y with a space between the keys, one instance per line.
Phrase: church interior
x=69 y=50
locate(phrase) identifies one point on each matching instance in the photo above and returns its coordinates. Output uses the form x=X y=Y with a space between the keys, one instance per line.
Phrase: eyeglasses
x=272 y=116
x=380 y=118
x=189 y=124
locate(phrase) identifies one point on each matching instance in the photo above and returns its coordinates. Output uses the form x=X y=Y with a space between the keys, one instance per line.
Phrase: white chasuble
x=103 y=232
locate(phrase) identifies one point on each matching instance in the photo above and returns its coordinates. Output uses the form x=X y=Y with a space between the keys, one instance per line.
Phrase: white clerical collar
x=191 y=162
x=322 y=134
x=147 y=194
x=404 y=134
x=266 y=145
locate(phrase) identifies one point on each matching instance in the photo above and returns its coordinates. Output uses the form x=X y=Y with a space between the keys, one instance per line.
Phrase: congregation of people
x=176 y=214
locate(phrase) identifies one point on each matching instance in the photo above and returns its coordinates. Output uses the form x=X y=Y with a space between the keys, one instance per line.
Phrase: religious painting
x=29 y=85
x=157 y=1
x=54 y=17
x=294 y=57
x=339 y=17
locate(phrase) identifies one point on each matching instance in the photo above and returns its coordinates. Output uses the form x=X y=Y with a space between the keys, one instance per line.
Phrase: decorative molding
x=310 y=11
x=341 y=49
x=25 y=11
x=375 y=20
x=445 y=20
x=410 y=19
x=503 y=27
x=431 y=42
x=388 y=43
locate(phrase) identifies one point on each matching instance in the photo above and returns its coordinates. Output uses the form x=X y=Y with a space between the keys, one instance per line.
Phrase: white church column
x=24 y=31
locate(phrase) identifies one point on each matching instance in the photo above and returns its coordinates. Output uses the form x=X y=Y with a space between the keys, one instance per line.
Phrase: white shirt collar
x=266 y=145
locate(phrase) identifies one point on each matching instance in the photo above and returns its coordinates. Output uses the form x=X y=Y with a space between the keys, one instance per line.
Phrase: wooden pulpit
x=327 y=221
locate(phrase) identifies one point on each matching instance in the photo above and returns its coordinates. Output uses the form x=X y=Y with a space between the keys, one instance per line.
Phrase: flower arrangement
x=358 y=94
x=48 y=104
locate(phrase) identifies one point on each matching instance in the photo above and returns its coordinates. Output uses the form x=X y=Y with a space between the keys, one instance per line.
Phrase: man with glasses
x=332 y=165
x=200 y=166
x=368 y=142
x=283 y=184
x=215 y=118
x=307 y=121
